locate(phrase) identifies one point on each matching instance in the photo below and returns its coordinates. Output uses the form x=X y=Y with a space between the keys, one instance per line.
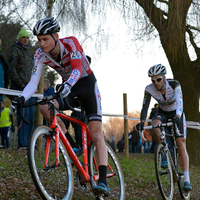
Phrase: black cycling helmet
x=158 y=69
x=46 y=26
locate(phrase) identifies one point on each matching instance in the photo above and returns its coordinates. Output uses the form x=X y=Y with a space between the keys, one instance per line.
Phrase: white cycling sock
x=186 y=176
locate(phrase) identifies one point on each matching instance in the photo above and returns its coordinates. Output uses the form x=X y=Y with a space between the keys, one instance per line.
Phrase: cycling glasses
x=157 y=79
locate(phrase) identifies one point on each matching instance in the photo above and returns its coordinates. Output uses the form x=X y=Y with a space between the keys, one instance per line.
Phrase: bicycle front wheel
x=164 y=174
x=115 y=178
x=54 y=181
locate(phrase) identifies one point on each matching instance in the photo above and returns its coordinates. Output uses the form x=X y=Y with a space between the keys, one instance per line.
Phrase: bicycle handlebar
x=160 y=126
x=39 y=101
x=44 y=100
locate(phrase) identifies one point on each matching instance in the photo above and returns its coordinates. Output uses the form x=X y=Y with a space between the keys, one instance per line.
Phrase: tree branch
x=155 y=14
x=196 y=48
x=193 y=28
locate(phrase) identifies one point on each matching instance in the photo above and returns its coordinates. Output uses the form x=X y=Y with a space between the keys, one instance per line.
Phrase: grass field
x=139 y=175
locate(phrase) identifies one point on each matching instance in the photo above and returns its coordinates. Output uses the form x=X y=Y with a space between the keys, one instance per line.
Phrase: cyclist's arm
x=146 y=102
x=75 y=61
x=31 y=87
x=179 y=100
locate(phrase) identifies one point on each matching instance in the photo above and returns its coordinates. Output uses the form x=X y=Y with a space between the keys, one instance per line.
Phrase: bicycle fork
x=48 y=141
x=167 y=152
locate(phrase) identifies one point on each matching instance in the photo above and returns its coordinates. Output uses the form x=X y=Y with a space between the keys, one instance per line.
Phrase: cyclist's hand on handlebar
x=17 y=102
x=57 y=87
x=177 y=120
x=65 y=88
x=140 y=126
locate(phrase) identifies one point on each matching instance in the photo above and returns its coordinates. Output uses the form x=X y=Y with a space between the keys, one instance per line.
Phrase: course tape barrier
x=189 y=124
x=16 y=92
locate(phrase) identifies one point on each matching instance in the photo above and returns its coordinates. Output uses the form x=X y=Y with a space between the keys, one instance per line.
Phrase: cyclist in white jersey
x=67 y=57
x=168 y=93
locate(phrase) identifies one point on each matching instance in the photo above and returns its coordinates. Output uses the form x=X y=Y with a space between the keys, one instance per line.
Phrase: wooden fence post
x=126 y=126
x=39 y=116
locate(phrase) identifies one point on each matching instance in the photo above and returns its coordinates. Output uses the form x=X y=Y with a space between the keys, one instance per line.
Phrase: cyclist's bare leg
x=184 y=158
x=46 y=114
x=95 y=128
x=156 y=131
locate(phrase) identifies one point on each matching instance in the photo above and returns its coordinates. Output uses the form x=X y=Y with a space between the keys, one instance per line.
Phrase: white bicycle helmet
x=158 y=69
x=46 y=26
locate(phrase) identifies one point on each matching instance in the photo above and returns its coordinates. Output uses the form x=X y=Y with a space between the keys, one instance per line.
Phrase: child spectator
x=6 y=119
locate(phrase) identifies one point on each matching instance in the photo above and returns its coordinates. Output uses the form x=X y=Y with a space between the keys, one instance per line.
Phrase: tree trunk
x=191 y=109
x=183 y=71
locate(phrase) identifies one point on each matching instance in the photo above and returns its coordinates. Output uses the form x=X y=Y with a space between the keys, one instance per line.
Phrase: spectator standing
x=6 y=119
x=135 y=140
x=120 y=145
x=148 y=142
x=4 y=75
x=154 y=111
x=20 y=64
x=112 y=144
x=48 y=89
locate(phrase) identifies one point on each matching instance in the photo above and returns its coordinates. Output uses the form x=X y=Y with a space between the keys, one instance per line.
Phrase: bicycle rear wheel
x=52 y=182
x=115 y=179
x=184 y=195
x=164 y=175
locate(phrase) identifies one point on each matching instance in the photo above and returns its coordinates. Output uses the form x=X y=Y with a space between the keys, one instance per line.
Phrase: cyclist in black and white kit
x=168 y=93
x=67 y=57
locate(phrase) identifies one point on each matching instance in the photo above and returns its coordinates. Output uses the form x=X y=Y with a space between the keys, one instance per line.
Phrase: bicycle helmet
x=158 y=69
x=46 y=26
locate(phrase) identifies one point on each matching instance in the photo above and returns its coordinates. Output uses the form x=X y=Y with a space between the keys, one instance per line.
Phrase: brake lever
x=142 y=135
x=19 y=111
x=177 y=130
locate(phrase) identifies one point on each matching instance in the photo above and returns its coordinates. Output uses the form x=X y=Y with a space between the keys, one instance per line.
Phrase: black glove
x=140 y=126
x=59 y=87
x=17 y=102
x=177 y=120
x=12 y=128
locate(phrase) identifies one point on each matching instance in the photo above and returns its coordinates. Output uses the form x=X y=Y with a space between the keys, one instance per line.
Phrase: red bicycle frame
x=83 y=171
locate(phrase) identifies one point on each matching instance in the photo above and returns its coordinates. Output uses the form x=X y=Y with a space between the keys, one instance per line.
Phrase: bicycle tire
x=164 y=176
x=56 y=182
x=184 y=195
x=115 y=182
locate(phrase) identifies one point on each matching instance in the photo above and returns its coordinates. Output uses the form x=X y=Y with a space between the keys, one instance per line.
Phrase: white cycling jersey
x=170 y=101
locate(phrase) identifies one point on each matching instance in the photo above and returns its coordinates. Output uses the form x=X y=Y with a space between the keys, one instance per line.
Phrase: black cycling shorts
x=86 y=90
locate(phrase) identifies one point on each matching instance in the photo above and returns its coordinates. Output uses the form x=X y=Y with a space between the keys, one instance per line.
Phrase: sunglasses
x=157 y=79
